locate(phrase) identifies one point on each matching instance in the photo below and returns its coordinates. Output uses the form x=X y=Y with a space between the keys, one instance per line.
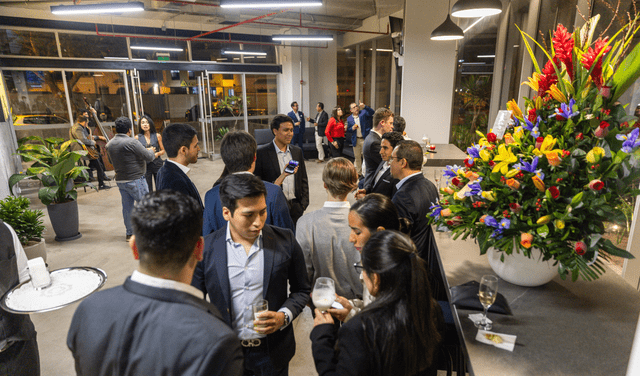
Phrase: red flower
x=539 y=142
x=456 y=182
x=604 y=124
x=566 y=153
x=602 y=132
x=532 y=115
x=468 y=162
x=547 y=78
x=515 y=207
x=563 y=46
x=491 y=163
x=558 y=116
x=596 y=185
x=591 y=59
x=579 y=136
x=581 y=248
x=606 y=111
x=491 y=137
x=555 y=192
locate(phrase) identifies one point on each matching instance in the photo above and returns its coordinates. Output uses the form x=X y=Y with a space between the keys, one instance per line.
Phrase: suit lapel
x=273 y=159
x=220 y=264
x=268 y=247
x=384 y=175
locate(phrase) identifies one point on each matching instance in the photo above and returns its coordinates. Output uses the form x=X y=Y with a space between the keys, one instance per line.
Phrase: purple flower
x=505 y=223
x=451 y=171
x=474 y=151
x=630 y=140
x=532 y=128
x=529 y=167
x=476 y=189
x=490 y=221
x=567 y=110
x=436 y=209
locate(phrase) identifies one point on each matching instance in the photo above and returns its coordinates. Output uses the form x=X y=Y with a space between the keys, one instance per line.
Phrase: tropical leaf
x=627 y=74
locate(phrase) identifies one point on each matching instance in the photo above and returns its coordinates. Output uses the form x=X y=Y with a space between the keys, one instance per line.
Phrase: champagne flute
x=487 y=294
x=437 y=176
x=324 y=293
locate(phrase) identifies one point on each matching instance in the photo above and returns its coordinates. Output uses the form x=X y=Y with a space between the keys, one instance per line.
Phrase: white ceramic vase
x=521 y=270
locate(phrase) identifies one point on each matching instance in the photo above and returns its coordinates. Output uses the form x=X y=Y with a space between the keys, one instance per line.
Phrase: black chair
x=263 y=136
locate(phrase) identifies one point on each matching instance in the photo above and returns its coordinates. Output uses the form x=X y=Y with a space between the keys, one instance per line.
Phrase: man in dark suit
x=238 y=152
x=415 y=193
x=320 y=122
x=381 y=181
x=156 y=323
x=298 y=125
x=181 y=144
x=383 y=123
x=272 y=159
x=247 y=261
x=359 y=123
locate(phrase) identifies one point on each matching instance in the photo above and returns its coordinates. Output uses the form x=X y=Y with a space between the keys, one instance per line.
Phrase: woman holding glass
x=394 y=335
x=148 y=137
x=335 y=132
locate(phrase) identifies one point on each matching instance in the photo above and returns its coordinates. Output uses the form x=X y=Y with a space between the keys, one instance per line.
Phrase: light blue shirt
x=401 y=182
x=289 y=183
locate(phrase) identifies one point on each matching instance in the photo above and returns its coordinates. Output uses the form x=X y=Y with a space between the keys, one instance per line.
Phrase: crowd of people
x=251 y=240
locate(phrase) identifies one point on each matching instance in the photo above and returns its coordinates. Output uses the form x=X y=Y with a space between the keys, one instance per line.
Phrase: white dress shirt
x=289 y=183
x=146 y=279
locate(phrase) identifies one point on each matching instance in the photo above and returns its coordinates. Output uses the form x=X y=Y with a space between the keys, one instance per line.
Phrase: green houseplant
x=55 y=166
x=27 y=223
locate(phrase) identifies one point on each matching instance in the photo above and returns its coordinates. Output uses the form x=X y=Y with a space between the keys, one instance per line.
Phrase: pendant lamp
x=476 y=8
x=448 y=30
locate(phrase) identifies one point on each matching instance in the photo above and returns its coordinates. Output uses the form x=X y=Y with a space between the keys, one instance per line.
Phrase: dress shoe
x=320 y=161
x=103 y=186
x=127 y=238
x=106 y=178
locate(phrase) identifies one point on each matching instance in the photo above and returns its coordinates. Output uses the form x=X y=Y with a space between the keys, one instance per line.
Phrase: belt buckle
x=254 y=342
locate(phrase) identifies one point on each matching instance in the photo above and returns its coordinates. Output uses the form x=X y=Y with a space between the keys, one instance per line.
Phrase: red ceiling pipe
x=238 y=24
x=324 y=28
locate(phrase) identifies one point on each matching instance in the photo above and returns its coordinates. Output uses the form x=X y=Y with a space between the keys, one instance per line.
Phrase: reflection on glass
x=384 y=59
x=36 y=97
x=75 y=45
x=364 y=91
x=158 y=50
x=105 y=91
x=212 y=51
x=346 y=72
x=27 y=43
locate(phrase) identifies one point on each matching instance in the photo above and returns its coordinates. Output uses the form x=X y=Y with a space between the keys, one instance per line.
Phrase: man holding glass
x=246 y=262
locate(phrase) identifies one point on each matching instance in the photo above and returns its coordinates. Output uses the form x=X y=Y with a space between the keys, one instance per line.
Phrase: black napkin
x=466 y=296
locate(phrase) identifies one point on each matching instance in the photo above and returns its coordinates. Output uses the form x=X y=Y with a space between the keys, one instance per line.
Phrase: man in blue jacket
x=359 y=124
x=298 y=126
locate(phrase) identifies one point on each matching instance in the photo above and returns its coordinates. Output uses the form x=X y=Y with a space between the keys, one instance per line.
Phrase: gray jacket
x=129 y=157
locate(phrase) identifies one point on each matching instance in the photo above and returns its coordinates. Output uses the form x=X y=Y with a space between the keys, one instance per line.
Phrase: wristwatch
x=287 y=319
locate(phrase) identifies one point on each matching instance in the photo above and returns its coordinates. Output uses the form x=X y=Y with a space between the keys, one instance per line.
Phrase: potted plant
x=27 y=223
x=55 y=166
x=563 y=167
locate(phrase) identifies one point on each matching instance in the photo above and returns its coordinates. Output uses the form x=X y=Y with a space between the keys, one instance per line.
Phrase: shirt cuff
x=286 y=312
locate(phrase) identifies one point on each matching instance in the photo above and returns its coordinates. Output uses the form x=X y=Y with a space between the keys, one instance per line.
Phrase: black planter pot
x=64 y=219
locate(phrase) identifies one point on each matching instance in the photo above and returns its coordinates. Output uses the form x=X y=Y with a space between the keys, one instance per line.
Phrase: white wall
x=428 y=73
x=322 y=78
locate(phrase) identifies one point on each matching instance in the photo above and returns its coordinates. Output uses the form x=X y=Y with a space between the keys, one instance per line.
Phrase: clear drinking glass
x=260 y=305
x=324 y=293
x=437 y=177
x=487 y=294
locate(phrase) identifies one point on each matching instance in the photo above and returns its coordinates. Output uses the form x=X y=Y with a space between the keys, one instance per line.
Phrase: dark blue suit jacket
x=283 y=262
x=135 y=329
x=277 y=209
x=171 y=177
x=366 y=119
x=296 y=129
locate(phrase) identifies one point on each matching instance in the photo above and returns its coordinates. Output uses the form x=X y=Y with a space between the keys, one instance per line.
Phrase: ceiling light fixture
x=269 y=3
x=448 y=30
x=243 y=52
x=136 y=6
x=151 y=48
x=312 y=37
x=476 y=8
x=486 y=56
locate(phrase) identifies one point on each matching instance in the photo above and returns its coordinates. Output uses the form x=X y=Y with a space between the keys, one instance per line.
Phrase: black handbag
x=466 y=296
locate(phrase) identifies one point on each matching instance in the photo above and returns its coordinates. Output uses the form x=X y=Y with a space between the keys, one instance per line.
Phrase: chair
x=263 y=136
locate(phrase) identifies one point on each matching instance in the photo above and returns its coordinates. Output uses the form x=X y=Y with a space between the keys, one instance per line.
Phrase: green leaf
x=627 y=74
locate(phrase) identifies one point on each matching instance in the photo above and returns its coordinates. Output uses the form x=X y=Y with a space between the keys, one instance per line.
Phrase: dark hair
x=380 y=115
x=321 y=105
x=167 y=225
x=294 y=102
x=235 y=187
x=340 y=176
x=152 y=127
x=334 y=113
x=403 y=317
x=176 y=136
x=399 y=124
x=279 y=119
x=393 y=138
x=123 y=124
x=238 y=151
x=412 y=152
x=81 y=118
x=377 y=210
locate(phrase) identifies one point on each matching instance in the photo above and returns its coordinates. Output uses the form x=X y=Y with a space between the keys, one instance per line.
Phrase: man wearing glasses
x=359 y=124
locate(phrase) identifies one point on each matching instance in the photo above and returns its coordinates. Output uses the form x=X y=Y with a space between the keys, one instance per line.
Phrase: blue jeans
x=131 y=193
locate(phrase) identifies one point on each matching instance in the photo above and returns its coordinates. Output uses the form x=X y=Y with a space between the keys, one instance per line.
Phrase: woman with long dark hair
x=397 y=334
x=335 y=132
x=148 y=137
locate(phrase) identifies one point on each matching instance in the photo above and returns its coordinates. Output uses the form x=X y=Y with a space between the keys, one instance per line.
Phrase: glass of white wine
x=487 y=294
x=324 y=293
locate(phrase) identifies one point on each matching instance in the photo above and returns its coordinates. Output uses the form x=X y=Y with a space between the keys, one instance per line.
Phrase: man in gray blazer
x=156 y=323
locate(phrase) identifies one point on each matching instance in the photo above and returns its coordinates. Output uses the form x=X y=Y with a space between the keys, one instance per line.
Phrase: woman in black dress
x=394 y=335
x=148 y=137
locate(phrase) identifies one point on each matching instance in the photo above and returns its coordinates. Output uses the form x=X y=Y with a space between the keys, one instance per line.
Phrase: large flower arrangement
x=561 y=169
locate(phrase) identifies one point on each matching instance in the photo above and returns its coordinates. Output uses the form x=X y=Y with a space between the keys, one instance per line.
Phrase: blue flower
x=436 y=209
x=505 y=223
x=630 y=140
x=476 y=189
x=529 y=167
x=490 y=221
x=451 y=171
x=474 y=151
x=567 y=110
x=534 y=129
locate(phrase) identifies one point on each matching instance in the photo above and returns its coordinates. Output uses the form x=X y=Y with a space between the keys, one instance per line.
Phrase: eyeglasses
x=358 y=267
x=392 y=157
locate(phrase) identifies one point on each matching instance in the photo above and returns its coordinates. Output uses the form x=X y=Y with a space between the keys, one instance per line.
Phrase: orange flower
x=448 y=190
x=445 y=212
x=482 y=218
x=526 y=239
x=471 y=175
x=513 y=184
x=508 y=139
x=553 y=158
x=538 y=183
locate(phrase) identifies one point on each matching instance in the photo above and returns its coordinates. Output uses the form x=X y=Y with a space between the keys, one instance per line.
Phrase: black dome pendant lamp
x=448 y=30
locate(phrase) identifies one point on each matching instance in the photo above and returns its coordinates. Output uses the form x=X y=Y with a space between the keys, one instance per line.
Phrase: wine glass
x=487 y=294
x=437 y=177
x=324 y=293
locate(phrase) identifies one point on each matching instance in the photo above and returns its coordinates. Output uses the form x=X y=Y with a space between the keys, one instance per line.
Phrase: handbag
x=466 y=296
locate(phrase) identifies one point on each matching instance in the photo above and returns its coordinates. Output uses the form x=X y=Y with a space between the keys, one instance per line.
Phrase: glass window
x=269 y=58
x=346 y=77
x=104 y=91
x=364 y=91
x=76 y=45
x=262 y=100
x=384 y=59
x=28 y=43
x=157 y=49
x=36 y=97
x=213 y=51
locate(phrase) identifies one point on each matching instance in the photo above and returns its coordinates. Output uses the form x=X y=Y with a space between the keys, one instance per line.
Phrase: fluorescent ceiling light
x=303 y=37
x=151 y=48
x=486 y=56
x=120 y=58
x=381 y=49
x=243 y=52
x=475 y=63
x=269 y=3
x=98 y=8
x=476 y=8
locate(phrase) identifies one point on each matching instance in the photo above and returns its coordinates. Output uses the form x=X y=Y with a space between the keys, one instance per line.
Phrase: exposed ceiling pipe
x=238 y=24
x=190 y=3
x=324 y=28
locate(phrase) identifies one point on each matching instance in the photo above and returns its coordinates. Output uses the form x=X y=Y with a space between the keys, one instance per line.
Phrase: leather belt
x=255 y=342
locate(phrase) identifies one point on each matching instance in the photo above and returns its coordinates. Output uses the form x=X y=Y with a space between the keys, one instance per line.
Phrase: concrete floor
x=103 y=245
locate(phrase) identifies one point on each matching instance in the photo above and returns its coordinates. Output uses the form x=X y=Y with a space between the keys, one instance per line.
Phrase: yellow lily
x=538 y=102
x=544 y=220
x=488 y=195
x=503 y=159
x=557 y=94
x=512 y=173
x=547 y=146
x=595 y=154
x=538 y=183
x=518 y=132
x=515 y=110
x=533 y=81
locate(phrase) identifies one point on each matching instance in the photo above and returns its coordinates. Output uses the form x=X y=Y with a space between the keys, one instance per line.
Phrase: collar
x=230 y=240
x=337 y=204
x=401 y=182
x=376 y=132
x=183 y=168
x=278 y=149
x=147 y=280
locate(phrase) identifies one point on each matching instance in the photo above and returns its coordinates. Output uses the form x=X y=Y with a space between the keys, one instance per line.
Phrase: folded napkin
x=466 y=296
x=477 y=317
x=499 y=340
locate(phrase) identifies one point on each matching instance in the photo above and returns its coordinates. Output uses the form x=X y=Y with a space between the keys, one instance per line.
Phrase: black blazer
x=135 y=329
x=323 y=120
x=371 y=152
x=268 y=169
x=283 y=262
x=171 y=177
x=386 y=185
x=413 y=200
